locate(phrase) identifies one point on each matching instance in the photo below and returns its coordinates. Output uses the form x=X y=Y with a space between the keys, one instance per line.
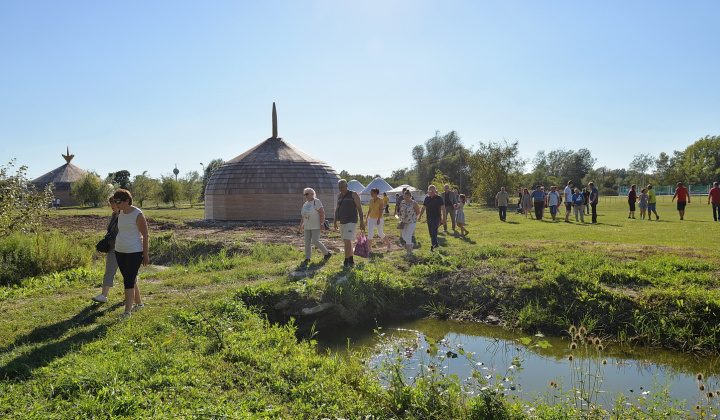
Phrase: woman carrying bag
x=311 y=223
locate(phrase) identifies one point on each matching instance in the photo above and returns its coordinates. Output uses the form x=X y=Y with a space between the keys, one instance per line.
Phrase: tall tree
x=208 y=173
x=699 y=163
x=191 y=185
x=90 y=189
x=171 y=189
x=560 y=165
x=642 y=163
x=445 y=153
x=144 y=188
x=119 y=178
x=495 y=165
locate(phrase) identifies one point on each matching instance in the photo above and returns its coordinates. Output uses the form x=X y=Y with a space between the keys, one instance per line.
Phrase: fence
x=667 y=189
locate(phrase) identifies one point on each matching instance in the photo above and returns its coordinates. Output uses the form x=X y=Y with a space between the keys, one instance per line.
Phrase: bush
x=24 y=255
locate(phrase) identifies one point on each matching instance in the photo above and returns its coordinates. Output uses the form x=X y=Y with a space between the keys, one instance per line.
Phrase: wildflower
x=601 y=347
x=577 y=337
x=582 y=330
x=699 y=376
x=589 y=340
x=697 y=407
x=597 y=341
x=709 y=395
x=717 y=392
x=570 y=357
x=573 y=346
x=572 y=330
x=701 y=387
x=553 y=384
x=604 y=362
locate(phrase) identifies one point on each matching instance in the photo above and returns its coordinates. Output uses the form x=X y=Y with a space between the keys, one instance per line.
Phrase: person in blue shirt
x=578 y=203
x=538 y=198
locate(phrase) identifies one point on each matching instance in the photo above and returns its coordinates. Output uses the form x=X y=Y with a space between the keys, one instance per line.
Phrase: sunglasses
x=119 y=201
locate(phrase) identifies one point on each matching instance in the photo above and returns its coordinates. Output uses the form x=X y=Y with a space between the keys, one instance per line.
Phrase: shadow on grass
x=23 y=365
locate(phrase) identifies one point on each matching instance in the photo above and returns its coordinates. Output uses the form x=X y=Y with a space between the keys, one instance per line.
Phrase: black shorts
x=632 y=206
x=568 y=206
x=681 y=205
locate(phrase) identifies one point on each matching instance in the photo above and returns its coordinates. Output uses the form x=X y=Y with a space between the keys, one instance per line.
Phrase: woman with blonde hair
x=460 y=215
x=312 y=221
x=526 y=202
x=409 y=211
x=375 y=218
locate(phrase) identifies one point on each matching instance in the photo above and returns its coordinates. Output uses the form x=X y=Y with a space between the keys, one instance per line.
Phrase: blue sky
x=145 y=85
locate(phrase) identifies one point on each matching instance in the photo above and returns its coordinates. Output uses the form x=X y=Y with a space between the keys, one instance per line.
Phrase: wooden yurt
x=266 y=183
x=62 y=177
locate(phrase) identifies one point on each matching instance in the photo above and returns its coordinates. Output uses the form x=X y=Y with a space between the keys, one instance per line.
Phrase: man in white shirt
x=568 y=200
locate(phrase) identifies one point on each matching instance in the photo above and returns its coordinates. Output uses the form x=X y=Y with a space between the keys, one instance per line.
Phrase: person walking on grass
x=714 y=197
x=111 y=266
x=577 y=200
x=408 y=213
x=526 y=202
x=538 y=199
x=632 y=198
x=553 y=201
x=594 y=195
x=501 y=202
x=375 y=218
x=683 y=199
x=652 y=203
x=460 y=215
x=568 y=200
x=586 y=195
x=347 y=213
x=311 y=223
x=386 y=203
x=436 y=215
x=643 y=202
x=449 y=199
x=132 y=245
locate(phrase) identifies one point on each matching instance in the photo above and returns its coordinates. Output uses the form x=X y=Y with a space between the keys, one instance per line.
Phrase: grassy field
x=200 y=350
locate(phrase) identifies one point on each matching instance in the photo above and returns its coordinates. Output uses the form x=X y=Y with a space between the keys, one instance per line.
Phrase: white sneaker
x=100 y=298
x=138 y=307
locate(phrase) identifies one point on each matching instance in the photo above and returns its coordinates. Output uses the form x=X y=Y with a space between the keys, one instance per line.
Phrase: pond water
x=637 y=372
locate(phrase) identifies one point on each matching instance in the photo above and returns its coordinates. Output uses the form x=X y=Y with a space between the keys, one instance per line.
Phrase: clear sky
x=145 y=85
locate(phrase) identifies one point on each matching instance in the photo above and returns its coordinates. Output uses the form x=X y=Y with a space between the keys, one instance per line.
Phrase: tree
x=440 y=180
x=120 y=178
x=699 y=163
x=559 y=166
x=492 y=166
x=22 y=206
x=402 y=176
x=445 y=153
x=208 y=173
x=170 y=189
x=191 y=185
x=642 y=163
x=90 y=189
x=144 y=188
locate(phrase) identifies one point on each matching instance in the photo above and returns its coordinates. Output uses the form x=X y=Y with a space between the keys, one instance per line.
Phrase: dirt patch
x=223 y=232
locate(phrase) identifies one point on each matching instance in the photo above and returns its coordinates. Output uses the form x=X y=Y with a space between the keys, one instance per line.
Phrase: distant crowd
x=438 y=207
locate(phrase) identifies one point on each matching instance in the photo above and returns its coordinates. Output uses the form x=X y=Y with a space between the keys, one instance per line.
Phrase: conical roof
x=65 y=174
x=267 y=181
x=356 y=186
x=378 y=183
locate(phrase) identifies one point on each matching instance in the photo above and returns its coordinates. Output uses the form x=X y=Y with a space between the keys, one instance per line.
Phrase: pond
x=639 y=373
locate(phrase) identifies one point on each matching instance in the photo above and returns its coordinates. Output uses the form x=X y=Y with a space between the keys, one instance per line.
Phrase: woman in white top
x=312 y=221
x=409 y=211
x=131 y=247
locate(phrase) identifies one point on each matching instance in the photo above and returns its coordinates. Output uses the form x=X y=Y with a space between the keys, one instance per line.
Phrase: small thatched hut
x=62 y=177
x=266 y=183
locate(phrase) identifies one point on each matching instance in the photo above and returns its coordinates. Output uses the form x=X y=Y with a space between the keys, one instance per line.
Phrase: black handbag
x=104 y=244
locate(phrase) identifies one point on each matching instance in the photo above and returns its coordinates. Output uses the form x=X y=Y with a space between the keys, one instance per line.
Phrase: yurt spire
x=68 y=157
x=274 y=122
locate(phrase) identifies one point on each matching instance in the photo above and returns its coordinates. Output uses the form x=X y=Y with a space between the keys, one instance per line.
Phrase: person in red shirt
x=683 y=197
x=714 y=196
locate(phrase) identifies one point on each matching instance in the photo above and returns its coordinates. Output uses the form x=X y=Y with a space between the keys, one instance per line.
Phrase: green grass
x=208 y=345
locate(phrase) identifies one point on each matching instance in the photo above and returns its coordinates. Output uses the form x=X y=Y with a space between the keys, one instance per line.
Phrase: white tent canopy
x=378 y=183
x=416 y=193
x=356 y=186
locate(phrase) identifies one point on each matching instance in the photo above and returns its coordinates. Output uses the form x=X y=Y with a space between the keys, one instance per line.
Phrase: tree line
x=91 y=189
x=482 y=170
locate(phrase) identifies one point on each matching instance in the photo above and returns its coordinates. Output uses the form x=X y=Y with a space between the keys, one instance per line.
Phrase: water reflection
x=637 y=372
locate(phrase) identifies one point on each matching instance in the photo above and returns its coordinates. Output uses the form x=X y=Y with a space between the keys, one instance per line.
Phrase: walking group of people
x=129 y=249
x=576 y=201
